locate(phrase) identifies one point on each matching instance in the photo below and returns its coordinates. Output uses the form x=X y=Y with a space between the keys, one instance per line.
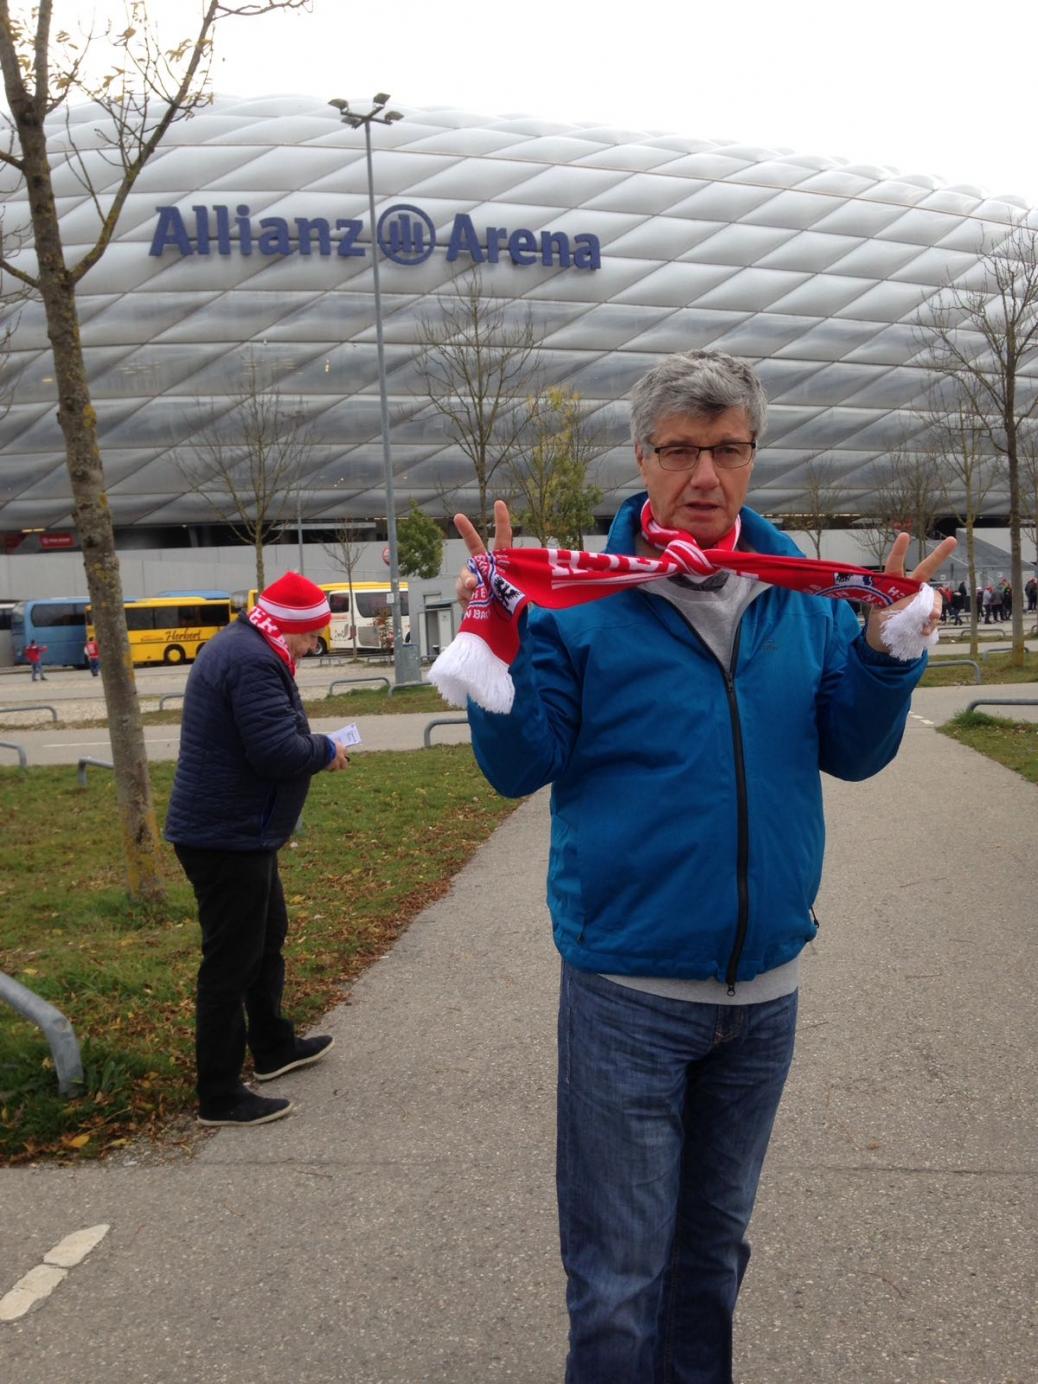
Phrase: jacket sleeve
x=269 y=724
x=531 y=745
x=862 y=703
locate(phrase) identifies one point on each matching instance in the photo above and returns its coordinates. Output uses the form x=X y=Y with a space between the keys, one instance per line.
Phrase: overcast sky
x=926 y=86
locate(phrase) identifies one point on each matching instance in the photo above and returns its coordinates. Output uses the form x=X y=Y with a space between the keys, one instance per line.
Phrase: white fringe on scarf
x=902 y=631
x=468 y=668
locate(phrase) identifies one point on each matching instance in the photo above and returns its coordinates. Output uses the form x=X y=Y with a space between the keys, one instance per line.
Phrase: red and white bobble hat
x=296 y=605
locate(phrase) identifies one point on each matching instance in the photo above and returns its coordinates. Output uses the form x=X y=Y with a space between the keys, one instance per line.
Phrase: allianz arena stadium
x=248 y=237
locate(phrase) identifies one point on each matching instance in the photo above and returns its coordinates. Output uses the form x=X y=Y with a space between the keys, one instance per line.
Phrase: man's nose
x=704 y=473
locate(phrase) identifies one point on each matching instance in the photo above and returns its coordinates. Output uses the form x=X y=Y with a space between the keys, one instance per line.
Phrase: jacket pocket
x=268 y=809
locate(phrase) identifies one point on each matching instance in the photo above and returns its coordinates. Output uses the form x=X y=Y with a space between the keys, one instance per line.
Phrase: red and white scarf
x=260 y=620
x=476 y=663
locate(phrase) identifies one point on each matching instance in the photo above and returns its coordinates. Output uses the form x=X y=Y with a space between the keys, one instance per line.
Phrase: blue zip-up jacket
x=687 y=825
x=246 y=750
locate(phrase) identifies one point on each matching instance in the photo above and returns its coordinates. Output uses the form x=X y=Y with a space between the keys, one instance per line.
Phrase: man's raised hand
x=895 y=567
x=466 y=583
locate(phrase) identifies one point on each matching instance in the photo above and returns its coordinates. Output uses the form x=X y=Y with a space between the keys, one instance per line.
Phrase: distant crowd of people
x=993 y=601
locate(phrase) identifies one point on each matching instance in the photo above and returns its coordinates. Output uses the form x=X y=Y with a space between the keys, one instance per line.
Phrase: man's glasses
x=726 y=456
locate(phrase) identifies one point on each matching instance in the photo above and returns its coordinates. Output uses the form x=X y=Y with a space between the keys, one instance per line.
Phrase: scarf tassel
x=468 y=667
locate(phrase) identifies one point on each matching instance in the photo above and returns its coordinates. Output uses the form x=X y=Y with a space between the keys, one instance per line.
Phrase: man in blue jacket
x=247 y=756
x=683 y=726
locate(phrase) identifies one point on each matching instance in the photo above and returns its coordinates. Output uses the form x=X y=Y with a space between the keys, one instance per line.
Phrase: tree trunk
x=261 y=579
x=1019 y=655
x=94 y=525
x=971 y=582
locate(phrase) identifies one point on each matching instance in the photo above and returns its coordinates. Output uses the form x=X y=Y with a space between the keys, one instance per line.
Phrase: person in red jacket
x=34 y=658
x=92 y=654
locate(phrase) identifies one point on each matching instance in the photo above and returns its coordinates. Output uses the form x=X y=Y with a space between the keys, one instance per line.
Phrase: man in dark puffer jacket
x=246 y=759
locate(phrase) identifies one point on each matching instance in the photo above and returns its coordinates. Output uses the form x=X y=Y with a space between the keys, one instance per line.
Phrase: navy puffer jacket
x=246 y=751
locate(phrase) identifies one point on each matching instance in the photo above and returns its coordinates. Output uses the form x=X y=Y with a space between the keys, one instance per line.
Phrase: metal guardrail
x=404 y=686
x=30 y=706
x=1006 y=649
x=170 y=697
x=57 y=1030
x=347 y=682
x=441 y=721
x=936 y=664
x=23 y=758
x=1002 y=701
x=81 y=768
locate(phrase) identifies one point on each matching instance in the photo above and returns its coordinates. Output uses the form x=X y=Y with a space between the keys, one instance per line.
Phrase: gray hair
x=697 y=384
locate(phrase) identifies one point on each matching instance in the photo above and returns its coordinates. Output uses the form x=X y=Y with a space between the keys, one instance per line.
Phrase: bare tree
x=250 y=461
x=345 y=549
x=960 y=442
x=1029 y=477
x=906 y=499
x=549 y=475
x=822 y=498
x=149 y=86
x=982 y=339
x=478 y=363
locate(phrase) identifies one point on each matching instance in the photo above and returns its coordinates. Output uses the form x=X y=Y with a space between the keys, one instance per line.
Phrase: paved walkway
x=400 y=1228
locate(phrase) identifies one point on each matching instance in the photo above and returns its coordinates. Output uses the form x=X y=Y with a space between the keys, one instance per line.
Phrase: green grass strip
x=1012 y=743
x=995 y=669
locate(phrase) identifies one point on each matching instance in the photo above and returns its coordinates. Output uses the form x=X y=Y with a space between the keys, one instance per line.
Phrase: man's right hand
x=341 y=760
x=466 y=583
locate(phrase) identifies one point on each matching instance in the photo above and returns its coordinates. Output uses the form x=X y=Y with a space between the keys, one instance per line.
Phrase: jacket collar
x=759 y=534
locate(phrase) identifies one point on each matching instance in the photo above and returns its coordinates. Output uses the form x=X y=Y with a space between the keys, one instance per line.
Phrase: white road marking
x=75 y=1247
x=30 y=1289
x=74 y=744
x=41 y=1281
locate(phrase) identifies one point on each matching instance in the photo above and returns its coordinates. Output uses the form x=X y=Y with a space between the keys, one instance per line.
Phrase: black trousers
x=241 y=908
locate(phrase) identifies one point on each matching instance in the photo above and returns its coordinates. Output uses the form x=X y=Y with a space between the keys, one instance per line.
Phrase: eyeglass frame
x=691 y=447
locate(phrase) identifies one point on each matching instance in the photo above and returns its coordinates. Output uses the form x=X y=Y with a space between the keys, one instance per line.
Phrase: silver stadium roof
x=811 y=267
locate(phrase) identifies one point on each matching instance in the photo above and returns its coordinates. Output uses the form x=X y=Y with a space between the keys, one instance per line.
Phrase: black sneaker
x=249 y=1109
x=305 y=1052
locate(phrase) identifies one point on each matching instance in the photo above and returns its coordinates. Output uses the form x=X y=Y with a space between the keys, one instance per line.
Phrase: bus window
x=372 y=603
x=139 y=618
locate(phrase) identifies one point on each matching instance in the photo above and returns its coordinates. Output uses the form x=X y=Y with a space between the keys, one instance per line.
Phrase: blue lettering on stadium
x=405 y=234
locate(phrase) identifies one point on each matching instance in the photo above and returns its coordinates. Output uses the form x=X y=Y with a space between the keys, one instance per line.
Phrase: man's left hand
x=895 y=566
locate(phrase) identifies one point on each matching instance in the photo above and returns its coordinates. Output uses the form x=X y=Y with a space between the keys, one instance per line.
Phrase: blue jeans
x=665 y=1109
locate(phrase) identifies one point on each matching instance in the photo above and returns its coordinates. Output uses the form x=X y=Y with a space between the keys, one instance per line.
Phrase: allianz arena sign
x=406 y=235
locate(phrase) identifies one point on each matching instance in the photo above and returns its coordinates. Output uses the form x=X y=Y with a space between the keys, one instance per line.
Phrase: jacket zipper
x=743 y=852
x=743 y=857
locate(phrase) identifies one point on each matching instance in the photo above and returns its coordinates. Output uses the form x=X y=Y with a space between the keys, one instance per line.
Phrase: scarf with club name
x=476 y=663
x=260 y=620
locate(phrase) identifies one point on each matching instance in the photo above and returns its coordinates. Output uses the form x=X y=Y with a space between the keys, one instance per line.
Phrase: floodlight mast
x=355 y=119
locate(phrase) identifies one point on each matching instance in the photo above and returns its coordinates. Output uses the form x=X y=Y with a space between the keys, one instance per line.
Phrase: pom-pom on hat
x=295 y=604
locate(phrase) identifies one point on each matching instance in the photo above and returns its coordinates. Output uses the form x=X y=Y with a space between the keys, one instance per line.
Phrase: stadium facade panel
x=247 y=237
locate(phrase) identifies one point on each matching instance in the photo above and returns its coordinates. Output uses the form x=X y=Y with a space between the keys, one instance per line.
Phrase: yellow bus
x=170 y=629
x=370 y=619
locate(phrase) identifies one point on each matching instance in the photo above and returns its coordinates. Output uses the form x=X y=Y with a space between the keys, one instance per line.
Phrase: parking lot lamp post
x=356 y=119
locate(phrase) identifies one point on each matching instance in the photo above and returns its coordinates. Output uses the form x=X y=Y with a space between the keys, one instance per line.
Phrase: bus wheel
x=173 y=653
x=198 y=649
x=322 y=648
